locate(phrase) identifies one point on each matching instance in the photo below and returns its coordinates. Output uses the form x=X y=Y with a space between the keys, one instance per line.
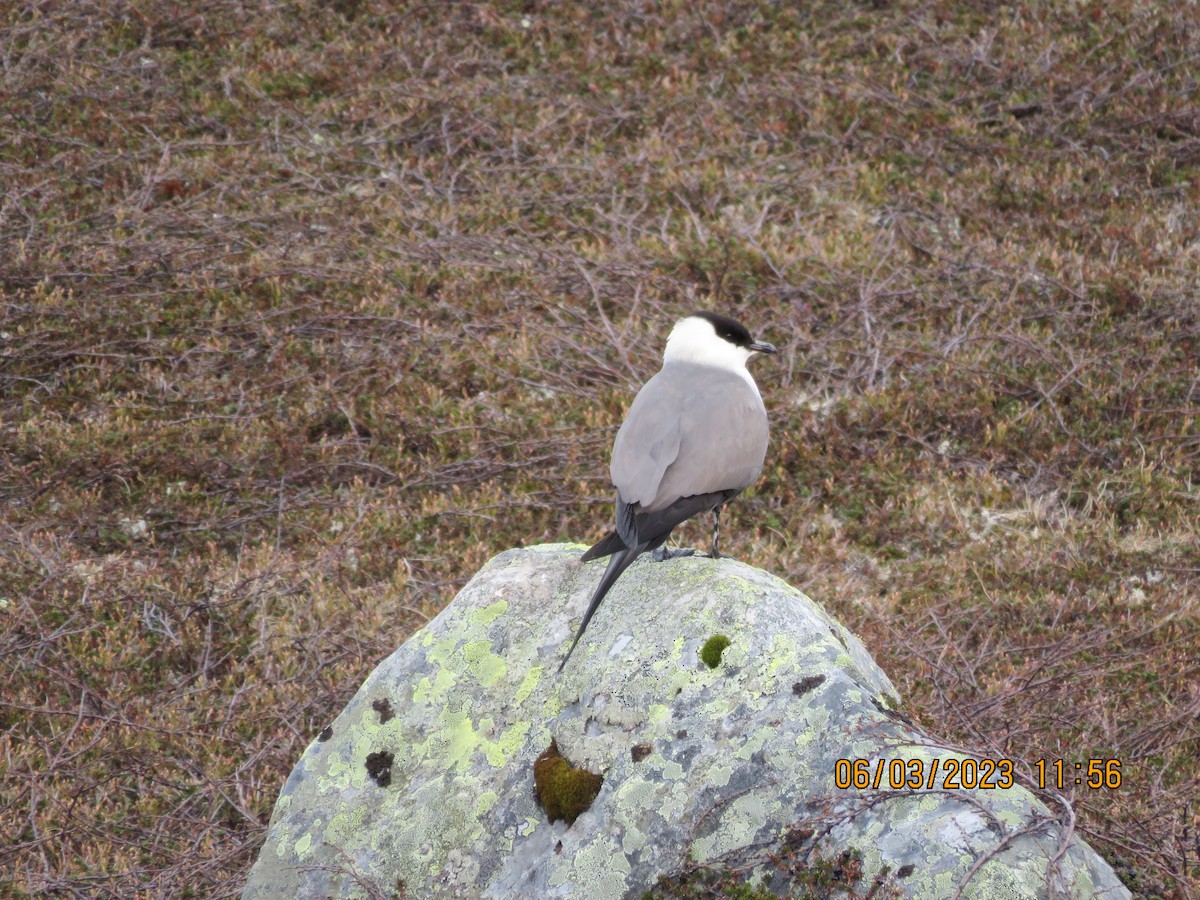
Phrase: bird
x=694 y=438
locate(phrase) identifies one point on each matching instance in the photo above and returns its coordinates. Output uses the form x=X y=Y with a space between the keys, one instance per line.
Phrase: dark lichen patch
x=561 y=789
x=379 y=767
x=804 y=685
x=326 y=733
x=800 y=871
x=894 y=714
x=714 y=647
x=698 y=883
x=796 y=837
x=640 y=751
x=384 y=708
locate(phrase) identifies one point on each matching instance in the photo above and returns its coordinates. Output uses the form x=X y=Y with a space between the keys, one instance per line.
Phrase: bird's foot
x=662 y=553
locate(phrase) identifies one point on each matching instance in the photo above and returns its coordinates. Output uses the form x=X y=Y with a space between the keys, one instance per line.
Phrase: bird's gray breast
x=691 y=430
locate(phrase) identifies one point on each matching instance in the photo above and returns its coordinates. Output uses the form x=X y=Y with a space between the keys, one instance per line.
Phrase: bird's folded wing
x=722 y=445
x=691 y=430
x=648 y=441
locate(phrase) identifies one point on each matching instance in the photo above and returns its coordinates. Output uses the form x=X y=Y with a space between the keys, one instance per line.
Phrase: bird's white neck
x=693 y=340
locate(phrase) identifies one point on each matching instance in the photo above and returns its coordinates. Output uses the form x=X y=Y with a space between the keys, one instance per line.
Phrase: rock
x=424 y=785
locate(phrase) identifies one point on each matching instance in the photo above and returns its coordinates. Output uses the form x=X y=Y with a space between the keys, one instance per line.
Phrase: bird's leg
x=662 y=554
x=716 y=531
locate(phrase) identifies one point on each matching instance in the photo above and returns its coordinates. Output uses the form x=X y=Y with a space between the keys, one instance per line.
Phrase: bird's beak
x=763 y=347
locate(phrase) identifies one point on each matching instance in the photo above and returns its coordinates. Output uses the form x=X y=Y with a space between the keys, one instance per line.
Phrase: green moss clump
x=711 y=652
x=562 y=790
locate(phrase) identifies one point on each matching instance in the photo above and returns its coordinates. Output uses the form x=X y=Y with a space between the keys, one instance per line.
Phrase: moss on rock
x=710 y=653
x=562 y=790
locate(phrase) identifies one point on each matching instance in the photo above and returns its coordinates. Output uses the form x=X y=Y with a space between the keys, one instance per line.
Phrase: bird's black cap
x=729 y=329
x=733 y=331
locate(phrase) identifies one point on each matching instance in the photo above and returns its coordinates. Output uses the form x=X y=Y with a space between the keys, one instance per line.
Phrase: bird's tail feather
x=605 y=547
x=617 y=563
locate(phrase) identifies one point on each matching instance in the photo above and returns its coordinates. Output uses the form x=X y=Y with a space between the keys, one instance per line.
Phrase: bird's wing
x=723 y=437
x=691 y=430
x=648 y=441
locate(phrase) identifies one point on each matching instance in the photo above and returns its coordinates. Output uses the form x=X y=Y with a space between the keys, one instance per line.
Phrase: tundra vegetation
x=308 y=309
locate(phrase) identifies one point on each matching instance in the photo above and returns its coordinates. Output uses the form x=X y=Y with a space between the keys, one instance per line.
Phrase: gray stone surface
x=728 y=761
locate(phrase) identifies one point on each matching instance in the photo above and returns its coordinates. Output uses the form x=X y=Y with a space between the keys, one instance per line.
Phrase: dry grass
x=308 y=310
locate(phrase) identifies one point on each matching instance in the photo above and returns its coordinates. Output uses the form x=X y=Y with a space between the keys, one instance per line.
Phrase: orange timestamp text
x=1093 y=773
x=949 y=774
x=954 y=773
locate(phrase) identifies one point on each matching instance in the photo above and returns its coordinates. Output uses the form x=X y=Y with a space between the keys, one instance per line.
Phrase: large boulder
x=425 y=784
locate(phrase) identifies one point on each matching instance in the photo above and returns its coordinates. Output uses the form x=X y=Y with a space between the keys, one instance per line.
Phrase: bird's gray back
x=691 y=430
